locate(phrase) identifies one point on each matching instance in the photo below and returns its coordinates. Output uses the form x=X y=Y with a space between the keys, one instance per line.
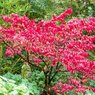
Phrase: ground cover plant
x=31 y=87
x=9 y=87
x=52 y=48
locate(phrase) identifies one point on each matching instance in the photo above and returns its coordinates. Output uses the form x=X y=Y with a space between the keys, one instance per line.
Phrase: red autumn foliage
x=45 y=41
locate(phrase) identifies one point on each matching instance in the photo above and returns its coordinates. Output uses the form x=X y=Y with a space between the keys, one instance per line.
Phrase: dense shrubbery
x=9 y=87
x=53 y=48
x=31 y=86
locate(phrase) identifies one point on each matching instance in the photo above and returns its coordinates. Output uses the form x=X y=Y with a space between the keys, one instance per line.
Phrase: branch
x=50 y=73
x=57 y=67
x=28 y=56
x=30 y=62
x=22 y=57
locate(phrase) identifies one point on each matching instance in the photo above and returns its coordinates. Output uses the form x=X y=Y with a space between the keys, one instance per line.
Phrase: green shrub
x=14 y=6
x=9 y=87
x=31 y=85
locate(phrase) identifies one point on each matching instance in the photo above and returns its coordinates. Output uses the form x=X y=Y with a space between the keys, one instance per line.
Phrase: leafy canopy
x=65 y=45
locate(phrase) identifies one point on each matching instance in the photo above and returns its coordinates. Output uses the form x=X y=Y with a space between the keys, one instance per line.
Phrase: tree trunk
x=47 y=84
x=46 y=91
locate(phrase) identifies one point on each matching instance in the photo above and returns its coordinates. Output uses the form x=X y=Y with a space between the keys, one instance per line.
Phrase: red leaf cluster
x=65 y=43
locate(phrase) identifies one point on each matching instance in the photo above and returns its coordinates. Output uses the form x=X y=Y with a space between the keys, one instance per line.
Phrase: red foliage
x=65 y=43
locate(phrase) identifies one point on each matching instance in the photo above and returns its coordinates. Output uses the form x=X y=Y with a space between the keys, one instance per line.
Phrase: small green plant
x=33 y=85
x=26 y=71
x=9 y=87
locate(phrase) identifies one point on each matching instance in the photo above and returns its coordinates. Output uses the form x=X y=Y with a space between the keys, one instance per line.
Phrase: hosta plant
x=9 y=87
x=52 y=48
x=32 y=86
